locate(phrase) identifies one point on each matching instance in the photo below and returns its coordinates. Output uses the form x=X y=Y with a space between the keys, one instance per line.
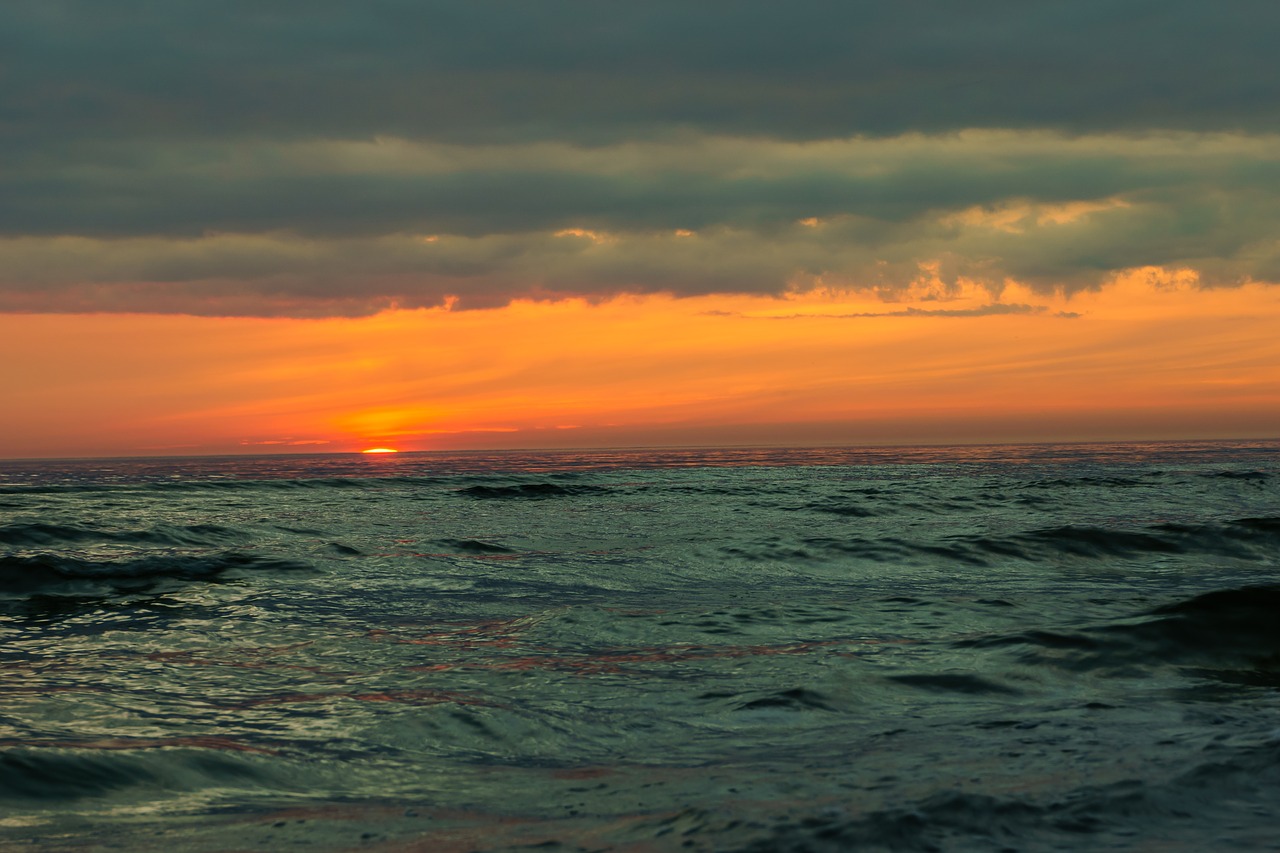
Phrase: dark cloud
x=291 y=157
x=354 y=227
x=589 y=71
x=385 y=186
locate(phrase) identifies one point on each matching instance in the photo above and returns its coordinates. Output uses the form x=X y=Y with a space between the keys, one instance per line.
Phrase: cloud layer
x=506 y=70
x=318 y=158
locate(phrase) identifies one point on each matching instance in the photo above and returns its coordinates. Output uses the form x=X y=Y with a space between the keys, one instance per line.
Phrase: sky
x=251 y=226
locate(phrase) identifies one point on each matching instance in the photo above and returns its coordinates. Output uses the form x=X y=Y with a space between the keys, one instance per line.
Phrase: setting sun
x=380 y=450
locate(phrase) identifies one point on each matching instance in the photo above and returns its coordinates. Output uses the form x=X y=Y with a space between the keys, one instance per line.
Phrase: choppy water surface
x=1031 y=648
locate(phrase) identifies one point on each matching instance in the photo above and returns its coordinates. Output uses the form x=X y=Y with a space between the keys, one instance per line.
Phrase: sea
x=994 y=648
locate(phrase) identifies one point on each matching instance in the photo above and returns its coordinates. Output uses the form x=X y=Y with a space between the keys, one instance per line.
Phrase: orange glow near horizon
x=1151 y=355
x=380 y=450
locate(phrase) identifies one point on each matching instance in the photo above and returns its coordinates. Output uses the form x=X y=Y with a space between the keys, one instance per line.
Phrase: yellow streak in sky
x=1150 y=355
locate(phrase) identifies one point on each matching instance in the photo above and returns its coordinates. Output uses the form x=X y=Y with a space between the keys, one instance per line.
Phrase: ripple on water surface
x=912 y=649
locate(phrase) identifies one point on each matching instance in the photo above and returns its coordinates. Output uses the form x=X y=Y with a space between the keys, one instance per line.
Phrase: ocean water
x=1042 y=647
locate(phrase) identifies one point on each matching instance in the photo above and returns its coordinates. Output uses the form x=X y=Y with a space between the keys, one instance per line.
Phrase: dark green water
x=1031 y=648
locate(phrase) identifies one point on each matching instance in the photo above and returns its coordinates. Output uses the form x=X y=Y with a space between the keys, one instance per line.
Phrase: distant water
x=1021 y=647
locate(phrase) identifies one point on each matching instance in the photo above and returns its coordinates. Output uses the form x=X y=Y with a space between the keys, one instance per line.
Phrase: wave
x=46 y=573
x=1245 y=538
x=1087 y=542
x=1114 y=482
x=40 y=534
x=74 y=770
x=530 y=491
x=954 y=683
x=847 y=510
x=473 y=547
x=1231 y=636
x=1254 y=476
x=795 y=699
x=1220 y=626
x=1194 y=807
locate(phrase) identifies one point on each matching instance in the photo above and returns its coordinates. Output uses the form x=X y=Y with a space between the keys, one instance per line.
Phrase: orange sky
x=589 y=224
x=1150 y=355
